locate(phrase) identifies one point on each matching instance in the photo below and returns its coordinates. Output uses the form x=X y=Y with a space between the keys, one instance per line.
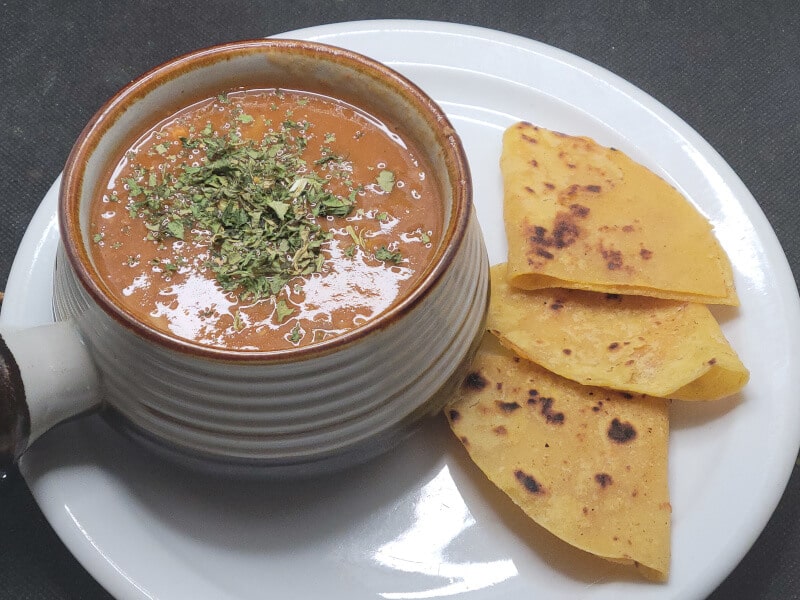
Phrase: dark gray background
x=730 y=69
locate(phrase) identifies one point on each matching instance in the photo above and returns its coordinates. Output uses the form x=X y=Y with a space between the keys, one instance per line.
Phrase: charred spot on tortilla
x=613 y=258
x=528 y=482
x=621 y=433
x=550 y=415
x=579 y=210
x=475 y=381
x=565 y=232
x=604 y=479
x=507 y=407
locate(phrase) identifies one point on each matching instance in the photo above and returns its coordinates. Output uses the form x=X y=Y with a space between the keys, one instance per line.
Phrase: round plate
x=422 y=522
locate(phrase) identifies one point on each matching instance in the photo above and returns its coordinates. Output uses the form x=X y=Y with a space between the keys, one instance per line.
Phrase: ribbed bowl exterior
x=339 y=401
x=299 y=412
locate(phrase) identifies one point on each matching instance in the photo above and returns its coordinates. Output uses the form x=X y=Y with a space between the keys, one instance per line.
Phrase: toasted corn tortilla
x=587 y=464
x=582 y=216
x=644 y=345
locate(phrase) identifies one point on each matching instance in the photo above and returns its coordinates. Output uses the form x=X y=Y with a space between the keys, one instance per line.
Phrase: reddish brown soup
x=265 y=219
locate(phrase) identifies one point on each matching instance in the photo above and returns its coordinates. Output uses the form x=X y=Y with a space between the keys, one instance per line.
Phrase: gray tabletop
x=730 y=69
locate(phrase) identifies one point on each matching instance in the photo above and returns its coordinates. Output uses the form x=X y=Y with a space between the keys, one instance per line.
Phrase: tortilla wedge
x=636 y=344
x=587 y=464
x=582 y=216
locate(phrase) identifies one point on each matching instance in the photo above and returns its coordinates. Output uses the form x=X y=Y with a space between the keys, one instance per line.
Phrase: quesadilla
x=582 y=216
x=637 y=344
x=587 y=464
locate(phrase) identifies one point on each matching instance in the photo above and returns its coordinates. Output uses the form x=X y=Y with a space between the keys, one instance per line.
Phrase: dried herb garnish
x=387 y=255
x=257 y=205
x=385 y=180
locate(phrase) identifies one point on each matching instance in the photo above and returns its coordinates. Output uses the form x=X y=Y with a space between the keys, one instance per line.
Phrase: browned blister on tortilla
x=638 y=344
x=582 y=216
x=587 y=464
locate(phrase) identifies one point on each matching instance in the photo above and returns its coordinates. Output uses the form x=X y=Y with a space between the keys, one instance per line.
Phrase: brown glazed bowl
x=299 y=410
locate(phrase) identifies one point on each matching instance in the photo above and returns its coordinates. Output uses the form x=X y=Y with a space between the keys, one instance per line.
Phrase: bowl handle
x=46 y=377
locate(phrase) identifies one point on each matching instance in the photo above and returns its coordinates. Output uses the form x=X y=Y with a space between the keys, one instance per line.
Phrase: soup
x=265 y=219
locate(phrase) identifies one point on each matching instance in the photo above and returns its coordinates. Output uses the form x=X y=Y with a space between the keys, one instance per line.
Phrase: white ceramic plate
x=422 y=522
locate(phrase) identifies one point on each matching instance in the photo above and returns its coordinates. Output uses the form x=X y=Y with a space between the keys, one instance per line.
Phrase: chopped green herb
x=256 y=202
x=386 y=180
x=176 y=228
x=425 y=238
x=243 y=118
x=296 y=334
x=386 y=255
x=282 y=311
x=161 y=148
x=97 y=238
x=238 y=322
x=356 y=237
x=133 y=187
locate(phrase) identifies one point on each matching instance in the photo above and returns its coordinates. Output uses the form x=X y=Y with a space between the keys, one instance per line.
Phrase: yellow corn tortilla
x=587 y=464
x=637 y=344
x=582 y=216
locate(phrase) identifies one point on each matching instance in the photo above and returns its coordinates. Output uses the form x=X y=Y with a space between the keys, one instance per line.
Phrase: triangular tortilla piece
x=637 y=344
x=582 y=216
x=587 y=464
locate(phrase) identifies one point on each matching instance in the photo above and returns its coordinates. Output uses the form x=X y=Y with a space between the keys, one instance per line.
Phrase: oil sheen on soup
x=265 y=219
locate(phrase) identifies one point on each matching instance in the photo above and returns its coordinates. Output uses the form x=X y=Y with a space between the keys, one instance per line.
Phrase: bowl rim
x=455 y=161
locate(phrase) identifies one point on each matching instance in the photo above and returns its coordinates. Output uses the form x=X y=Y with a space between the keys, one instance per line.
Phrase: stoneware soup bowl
x=300 y=410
